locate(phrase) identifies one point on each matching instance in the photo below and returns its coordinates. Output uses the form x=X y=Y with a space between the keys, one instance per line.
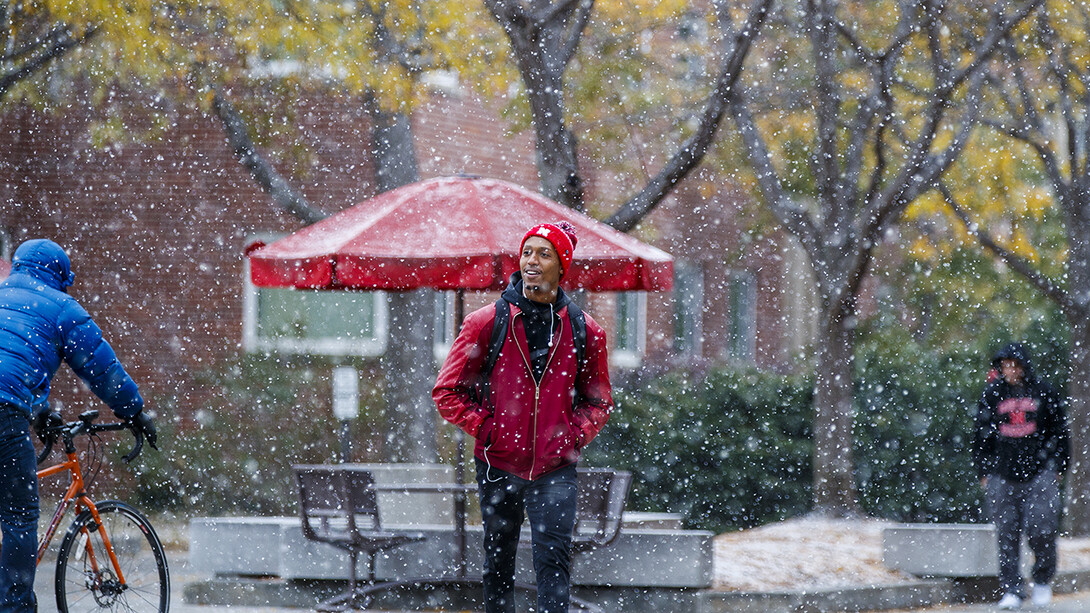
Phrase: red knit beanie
x=562 y=236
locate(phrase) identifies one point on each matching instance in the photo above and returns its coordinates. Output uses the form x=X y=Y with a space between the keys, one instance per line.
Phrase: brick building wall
x=156 y=229
x=711 y=223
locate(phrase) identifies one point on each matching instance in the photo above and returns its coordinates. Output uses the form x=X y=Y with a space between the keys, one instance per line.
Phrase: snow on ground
x=813 y=552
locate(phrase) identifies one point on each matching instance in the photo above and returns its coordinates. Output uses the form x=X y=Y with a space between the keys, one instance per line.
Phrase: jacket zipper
x=537 y=387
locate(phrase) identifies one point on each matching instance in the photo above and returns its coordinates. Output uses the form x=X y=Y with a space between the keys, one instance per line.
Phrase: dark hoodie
x=1020 y=430
x=41 y=326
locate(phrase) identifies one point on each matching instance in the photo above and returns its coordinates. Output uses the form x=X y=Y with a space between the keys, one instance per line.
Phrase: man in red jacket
x=543 y=405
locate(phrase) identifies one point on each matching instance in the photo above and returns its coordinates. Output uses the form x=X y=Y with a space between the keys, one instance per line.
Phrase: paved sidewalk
x=1069 y=603
x=180 y=575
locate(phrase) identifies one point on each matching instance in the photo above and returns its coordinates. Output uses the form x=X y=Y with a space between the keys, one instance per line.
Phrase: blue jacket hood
x=44 y=260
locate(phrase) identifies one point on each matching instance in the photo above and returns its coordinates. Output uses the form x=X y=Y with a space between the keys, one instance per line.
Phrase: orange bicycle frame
x=77 y=494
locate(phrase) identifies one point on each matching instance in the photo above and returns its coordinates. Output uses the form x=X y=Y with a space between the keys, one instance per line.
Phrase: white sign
x=346 y=393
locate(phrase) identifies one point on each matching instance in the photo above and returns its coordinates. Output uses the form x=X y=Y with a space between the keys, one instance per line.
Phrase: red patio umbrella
x=451 y=234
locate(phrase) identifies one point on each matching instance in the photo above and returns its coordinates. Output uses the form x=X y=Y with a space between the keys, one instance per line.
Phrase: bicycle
x=110 y=557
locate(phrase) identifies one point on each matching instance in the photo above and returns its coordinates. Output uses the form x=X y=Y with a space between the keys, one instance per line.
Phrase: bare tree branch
x=1044 y=153
x=864 y=55
x=796 y=219
x=855 y=153
x=821 y=28
x=59 y=44
x=386 y=44
x=940 y=68
x=1059 y=63
x=995 y=36
x=549 y=10
x=285 y=196
x=1029 y=112
x=575 y=31
x=909 y=183
x=915 y=179
x=1043 y=283
x=692 y=151
x=883 y=76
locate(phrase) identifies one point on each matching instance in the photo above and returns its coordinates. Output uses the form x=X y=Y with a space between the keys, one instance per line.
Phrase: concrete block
x=944 y=550
x=655 y=521
x=649 y=558
x=276 y=547
x=244 y=546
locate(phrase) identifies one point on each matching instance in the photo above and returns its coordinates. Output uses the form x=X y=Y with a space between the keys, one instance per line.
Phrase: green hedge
x=732 y=450
x=728 y=449
x=913 y=427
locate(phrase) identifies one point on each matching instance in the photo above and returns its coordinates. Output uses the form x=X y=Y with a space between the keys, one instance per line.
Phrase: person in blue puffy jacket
x=41 y=326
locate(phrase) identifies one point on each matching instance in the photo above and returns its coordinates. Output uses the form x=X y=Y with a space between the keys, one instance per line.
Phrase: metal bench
x=338 y=505
x=328 y=492
x=602 y=493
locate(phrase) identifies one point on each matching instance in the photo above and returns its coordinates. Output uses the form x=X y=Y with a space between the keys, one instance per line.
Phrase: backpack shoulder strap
x=579 y=332
x=499 y=334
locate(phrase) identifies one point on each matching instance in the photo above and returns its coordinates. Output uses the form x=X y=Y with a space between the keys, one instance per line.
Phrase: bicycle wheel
x=86 y=578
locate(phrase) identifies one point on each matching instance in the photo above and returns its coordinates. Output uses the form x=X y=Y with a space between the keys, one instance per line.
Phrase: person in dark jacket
x=1020 y=449
x=41 y=326
x=543 y=406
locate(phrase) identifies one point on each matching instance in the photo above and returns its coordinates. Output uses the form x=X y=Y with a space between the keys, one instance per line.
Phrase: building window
x=7 y=246
x=743 y=317
x=688 y=308
x=6 y=249
x=631 y=329
x=444 y=324
x=313 y=321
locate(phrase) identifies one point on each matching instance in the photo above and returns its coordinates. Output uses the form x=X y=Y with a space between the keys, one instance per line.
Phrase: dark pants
x=18 y=512
x=1032 y=508
x=549 y=502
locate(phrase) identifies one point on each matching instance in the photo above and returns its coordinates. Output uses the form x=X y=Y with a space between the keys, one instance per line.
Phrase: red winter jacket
x=524 y=428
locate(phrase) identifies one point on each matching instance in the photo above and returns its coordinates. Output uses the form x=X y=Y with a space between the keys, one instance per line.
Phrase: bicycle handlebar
x=85 y=425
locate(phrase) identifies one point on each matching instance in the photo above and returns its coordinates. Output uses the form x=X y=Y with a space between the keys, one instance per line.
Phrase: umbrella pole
x=459 y=463
x=459 y=317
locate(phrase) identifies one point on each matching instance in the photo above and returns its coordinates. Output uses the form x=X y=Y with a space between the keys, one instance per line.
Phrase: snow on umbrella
x=450 y=234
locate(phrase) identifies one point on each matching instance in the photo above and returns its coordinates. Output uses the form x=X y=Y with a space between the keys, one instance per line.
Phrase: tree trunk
x=557 y=160
x=410 y=375
x=834 y=468
x=408 y=364
x=1078 y=418
x=394 y=149
x=1076 y=207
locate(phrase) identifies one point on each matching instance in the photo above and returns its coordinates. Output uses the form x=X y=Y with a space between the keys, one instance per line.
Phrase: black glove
x=43 y=420
x=142 y=423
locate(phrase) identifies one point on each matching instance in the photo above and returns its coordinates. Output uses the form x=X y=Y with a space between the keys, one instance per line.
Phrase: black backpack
x=500 y=325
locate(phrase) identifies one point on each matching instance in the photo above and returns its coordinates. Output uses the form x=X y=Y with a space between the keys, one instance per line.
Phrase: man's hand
x=44 y=420
x=142 y=423
x=484 y=433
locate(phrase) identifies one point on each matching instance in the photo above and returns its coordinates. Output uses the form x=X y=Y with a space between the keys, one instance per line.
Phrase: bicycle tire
x=139 y=552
